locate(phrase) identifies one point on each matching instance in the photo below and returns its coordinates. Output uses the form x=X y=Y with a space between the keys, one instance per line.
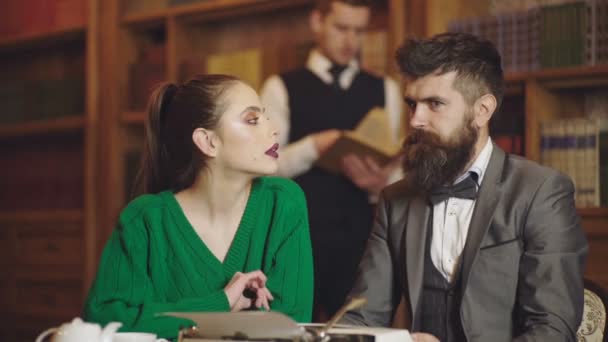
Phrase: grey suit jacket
x=522 y=265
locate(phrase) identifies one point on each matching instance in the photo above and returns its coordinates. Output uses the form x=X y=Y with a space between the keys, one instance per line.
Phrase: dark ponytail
x=170 y=160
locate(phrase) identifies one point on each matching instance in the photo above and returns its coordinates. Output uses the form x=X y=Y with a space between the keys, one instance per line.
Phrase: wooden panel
x=117 y=50
x=595 y=224
x=43 y=174
x=48 y=297
x=596 y=261
x=7 y=292
x=43 y=127
x=87 y=246
x=6 y=245
x=28 y=327
x=7 y=327
x=51 y=244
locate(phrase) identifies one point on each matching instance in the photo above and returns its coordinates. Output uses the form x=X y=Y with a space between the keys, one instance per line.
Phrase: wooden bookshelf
x=43 y=127
x=48 y=216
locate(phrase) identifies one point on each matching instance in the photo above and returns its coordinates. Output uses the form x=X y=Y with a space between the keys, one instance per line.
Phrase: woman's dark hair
x=170 y=159
x=476 y=61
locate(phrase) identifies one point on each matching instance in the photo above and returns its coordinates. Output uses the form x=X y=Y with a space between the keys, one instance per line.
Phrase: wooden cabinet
x=48 y=137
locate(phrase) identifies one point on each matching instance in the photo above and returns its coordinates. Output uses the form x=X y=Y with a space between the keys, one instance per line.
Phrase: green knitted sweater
x=155 y=262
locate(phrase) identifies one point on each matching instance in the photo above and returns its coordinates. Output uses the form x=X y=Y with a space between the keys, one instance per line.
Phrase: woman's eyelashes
x=252 y=118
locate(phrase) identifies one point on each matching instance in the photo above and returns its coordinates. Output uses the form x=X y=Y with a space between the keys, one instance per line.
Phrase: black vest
x=340 y=213
x=440 y=309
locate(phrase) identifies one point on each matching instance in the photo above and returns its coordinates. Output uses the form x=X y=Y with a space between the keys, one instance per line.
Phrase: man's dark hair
x=324 y=6
x=476 y=61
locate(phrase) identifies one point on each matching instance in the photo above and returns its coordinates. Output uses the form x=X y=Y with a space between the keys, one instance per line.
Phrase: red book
x=509 y=143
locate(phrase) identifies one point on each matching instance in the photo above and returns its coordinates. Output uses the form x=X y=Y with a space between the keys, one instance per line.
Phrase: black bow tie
x=335 y=71
x=466 y=189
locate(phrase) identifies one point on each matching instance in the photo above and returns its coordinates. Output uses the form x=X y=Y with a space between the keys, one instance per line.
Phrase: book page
x=374 y=130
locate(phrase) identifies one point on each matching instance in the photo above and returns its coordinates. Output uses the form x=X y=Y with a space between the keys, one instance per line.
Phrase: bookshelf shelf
x=20 y=42
x=43 y=127
x=133 y=117
x=75 y=215
x=208 y=10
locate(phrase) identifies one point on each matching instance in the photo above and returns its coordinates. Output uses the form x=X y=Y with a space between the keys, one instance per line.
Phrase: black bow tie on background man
x=466 y=189
x=335 y=71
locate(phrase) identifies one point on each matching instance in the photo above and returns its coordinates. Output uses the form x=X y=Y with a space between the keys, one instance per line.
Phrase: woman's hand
x=254 y=282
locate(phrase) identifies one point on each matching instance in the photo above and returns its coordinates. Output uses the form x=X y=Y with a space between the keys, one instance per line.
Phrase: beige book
x=245 y=64
x=371 y=138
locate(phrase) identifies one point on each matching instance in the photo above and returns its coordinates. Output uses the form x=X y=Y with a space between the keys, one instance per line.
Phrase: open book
x=372 y=137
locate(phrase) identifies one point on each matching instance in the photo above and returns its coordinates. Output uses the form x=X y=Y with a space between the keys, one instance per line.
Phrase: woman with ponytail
x=210 y=230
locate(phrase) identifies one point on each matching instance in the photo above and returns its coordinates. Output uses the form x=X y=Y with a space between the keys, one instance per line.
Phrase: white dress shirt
x=299 y=156
x=451 y=220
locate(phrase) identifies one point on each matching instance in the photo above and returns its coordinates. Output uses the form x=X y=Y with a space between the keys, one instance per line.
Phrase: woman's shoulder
x=144 y=205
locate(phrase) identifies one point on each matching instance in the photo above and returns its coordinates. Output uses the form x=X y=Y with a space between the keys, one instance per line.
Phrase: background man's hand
x=325 y=139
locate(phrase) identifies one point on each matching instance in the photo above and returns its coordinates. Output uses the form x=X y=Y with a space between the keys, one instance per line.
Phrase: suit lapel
x=487 y=199
x=415 y=236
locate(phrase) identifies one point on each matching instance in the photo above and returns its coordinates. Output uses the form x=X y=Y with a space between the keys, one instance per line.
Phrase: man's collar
x=480 y=164
x=319 y=65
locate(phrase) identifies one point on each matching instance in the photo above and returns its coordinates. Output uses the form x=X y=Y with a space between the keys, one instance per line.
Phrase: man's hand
x=325 y=139
x=424 y=337
x=366 y=173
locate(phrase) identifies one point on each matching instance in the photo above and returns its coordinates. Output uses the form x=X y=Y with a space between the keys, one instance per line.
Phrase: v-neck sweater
x=155 y=261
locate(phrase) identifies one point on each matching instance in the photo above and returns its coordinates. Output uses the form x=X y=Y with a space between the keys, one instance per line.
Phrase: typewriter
x=269 y=326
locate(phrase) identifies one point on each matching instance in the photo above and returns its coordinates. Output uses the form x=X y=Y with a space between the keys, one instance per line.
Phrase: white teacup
x=136 y=337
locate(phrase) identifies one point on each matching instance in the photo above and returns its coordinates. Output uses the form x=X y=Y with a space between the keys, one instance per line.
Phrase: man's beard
x=429 y=162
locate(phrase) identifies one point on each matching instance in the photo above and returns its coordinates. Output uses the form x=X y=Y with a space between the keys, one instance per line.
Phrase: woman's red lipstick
x=272 y=151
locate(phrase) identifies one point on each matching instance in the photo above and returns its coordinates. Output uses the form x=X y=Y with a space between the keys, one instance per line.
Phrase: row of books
x=578 y=147
x=42 y=99
x=567 y=34
x=515 y=34
x=36 y=16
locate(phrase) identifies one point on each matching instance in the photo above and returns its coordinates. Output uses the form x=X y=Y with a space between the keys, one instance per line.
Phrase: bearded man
x=483 y=246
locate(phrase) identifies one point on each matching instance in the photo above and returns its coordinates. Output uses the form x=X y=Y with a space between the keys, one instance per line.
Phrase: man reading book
x=311 y=105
